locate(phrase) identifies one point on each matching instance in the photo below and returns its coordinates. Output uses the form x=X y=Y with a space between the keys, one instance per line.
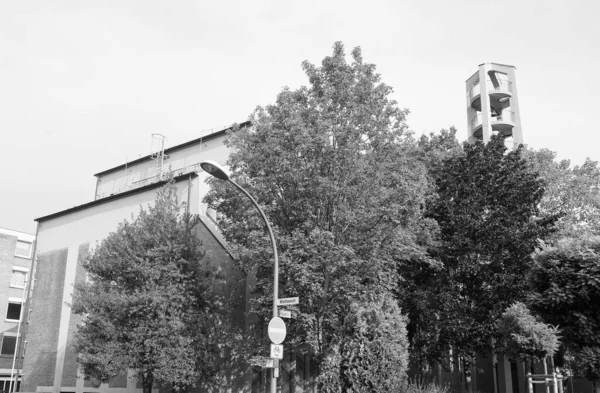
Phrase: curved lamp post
x=214 y=169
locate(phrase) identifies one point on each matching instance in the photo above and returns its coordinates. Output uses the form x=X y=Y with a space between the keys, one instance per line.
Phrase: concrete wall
x=186 y=159
x=63 y=243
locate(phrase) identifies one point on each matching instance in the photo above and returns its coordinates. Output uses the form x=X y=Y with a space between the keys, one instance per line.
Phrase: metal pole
x=275 y=271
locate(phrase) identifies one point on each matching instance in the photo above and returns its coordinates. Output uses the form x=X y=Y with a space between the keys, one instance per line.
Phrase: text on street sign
x=262 y=361
x=288 y=301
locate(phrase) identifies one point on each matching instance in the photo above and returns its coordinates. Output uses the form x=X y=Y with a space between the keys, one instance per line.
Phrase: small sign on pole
x=285 y=314
x=288 y=301
x=261 y=361
x=276 y=351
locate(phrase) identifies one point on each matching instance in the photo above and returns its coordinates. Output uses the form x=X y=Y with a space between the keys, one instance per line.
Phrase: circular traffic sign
x=276 y=330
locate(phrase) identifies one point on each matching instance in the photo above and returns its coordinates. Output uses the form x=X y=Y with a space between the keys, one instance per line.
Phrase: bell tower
x=493 y=104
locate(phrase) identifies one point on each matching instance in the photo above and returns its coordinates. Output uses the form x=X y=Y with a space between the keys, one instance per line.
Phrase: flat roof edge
x=28 y=237
x=500 y=64
x=174 y=148
x=114 y=197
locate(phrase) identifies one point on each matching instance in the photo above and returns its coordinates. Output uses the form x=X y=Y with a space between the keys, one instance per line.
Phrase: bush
x=524 y=336
x=416 y=387
x=372 y=355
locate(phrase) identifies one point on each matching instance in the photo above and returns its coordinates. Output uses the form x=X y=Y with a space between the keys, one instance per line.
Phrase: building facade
x=65 y=239
x=16 y=249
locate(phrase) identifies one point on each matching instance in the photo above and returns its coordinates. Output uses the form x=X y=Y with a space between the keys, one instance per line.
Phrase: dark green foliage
x=372 y=352
x=438 y=147
x=486 y=209
x=149 y=303
x=523 y=336
x=341 y=181
x=566 y=284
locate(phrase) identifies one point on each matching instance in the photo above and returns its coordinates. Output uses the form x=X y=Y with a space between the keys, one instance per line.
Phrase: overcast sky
x=84 y=84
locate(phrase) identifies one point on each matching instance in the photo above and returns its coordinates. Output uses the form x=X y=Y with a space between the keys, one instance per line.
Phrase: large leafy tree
x=338 y=174
x=566 y=283
x=149 y=304
x=573 y=193
x=487 y=211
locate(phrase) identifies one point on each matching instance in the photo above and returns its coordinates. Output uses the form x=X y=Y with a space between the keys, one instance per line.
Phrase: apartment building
x=16 y=250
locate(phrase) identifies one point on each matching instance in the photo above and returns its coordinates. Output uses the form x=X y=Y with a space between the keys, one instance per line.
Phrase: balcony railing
x=505 y=86
x=505 y=117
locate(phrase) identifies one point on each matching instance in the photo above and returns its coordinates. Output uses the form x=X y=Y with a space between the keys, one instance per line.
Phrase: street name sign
x=262 y=361
x=277 y=330
x=285 y=314
x=276 y=351
x=288 y=301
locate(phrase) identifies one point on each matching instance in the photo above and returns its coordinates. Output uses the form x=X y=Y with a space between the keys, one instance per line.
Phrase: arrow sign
x=288 y=301
x=277 y=330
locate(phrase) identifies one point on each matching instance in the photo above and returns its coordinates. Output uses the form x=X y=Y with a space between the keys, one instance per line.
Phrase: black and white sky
x=84 y=84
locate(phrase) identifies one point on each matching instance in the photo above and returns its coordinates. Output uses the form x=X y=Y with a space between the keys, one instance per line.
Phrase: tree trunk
x=596 y=385
x=147 y=382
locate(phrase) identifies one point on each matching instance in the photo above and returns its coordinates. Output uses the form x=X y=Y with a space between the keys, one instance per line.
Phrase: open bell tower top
x=493 y=104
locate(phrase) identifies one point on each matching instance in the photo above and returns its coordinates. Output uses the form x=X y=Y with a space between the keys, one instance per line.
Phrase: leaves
x=566 y=283
x=573 y=193
x=522 y=335
x=150 y=305
x=371 y=352
x=339 y=176
x=486 y=209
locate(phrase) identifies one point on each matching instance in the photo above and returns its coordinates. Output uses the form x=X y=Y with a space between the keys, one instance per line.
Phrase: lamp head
x=214 y=169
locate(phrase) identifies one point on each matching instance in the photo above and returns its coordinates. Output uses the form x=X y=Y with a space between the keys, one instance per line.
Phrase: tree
x=489 y=222
x=566 y=284
x=338 y=175
x=371 y=352
x=573 y=193
x=149 y=303
x=524 y=336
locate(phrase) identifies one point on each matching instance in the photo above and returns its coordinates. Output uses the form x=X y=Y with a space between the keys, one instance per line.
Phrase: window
x=18 y=277
x=23 y=249
x=13 y=313
x=9 y=345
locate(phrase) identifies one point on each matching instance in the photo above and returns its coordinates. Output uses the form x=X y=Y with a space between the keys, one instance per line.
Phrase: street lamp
x=214 y=169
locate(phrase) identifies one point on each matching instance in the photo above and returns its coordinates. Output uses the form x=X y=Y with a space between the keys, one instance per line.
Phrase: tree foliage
x=566 y=284
x=487 y=211
x=338 y=175
x=372 y=352
x=149 y=303
x=524 y=336
x=573 y=193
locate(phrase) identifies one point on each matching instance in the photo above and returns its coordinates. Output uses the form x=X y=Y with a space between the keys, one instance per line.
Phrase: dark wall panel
x=42 y=335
